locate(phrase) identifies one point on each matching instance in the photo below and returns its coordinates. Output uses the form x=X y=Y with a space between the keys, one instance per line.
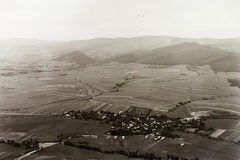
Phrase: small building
x=45 y=145
x=86 y=135
x=191 y=130
x=94 y=136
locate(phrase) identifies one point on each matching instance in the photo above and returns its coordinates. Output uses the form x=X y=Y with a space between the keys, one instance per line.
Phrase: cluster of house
x=29 y=67
x=124 y=124
x=45 y=69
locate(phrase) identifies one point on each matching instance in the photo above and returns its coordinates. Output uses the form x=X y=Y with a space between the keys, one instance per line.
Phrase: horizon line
x=119 y=37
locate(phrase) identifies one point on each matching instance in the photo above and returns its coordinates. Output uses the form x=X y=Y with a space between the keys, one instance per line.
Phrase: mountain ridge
x=103 y=48
x=76 y=57
x=141 y=42
x=185 y=53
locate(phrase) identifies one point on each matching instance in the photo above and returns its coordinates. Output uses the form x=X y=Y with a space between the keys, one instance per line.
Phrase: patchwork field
x=36 y=100
x=9 y=152
x=141 y=86
x=61 y=152
x=45 y=127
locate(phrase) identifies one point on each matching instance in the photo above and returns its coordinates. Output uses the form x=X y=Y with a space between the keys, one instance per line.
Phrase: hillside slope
x=102 y=48
x=76 y=57
x=185 y=53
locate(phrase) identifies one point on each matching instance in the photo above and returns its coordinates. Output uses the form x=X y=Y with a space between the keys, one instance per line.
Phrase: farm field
x=163 y=88
x=48 y=127
x=45 y=127
x=210 y=149
x=61 y=152
x=230 y=104
x=194 y=146
x=31 y=104
x=142 y=86
x=9 y=152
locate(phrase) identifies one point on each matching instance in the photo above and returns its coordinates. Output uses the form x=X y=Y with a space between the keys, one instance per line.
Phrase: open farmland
x=228 y=103
x=108 y=80
x=9 y=152
x=193 y=146
x=163 y=88
x=230 y=127
x=37 y=99
x=45 y=127
x=142 y=86
x=61 y=152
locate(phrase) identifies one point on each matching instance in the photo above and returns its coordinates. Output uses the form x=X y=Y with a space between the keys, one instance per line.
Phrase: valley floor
x=36 y=98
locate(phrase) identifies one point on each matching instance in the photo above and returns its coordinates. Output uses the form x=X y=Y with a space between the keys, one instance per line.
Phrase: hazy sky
x=85 y=19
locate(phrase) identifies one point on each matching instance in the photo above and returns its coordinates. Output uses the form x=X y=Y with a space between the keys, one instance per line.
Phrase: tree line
x=129 y=154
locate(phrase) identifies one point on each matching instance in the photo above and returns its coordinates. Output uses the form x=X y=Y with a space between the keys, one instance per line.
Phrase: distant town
x=158 y=127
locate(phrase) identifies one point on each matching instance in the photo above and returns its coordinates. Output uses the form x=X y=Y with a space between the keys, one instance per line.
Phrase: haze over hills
x=144 y=49
x=184 y=53
x=229 y=46
x=77 y=57
x=102 y=48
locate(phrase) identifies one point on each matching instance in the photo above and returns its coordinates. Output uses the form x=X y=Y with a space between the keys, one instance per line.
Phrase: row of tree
x=130 y=154
x=27 y=144
x=178 y=105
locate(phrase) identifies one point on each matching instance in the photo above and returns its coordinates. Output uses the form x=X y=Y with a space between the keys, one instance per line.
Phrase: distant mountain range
x=122 y=44
x=185 y=53
x=221 y=54
x=76 y=57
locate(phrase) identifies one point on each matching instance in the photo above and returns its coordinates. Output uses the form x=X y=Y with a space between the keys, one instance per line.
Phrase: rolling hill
x=184 y=53
x=76 y=57
x=102 y=48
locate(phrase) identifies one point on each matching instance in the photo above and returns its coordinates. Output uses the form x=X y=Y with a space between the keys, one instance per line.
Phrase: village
x=26 y=68
x=158 y=127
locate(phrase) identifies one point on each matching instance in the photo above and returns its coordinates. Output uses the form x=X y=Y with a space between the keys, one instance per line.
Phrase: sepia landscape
x=148 y=99
x=139 y=97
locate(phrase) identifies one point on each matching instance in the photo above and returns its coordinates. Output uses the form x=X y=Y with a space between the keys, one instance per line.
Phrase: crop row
x=79 y=104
